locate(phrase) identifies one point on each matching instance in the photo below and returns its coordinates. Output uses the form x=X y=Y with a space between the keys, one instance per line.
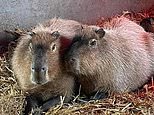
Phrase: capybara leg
x=31 y=104
x=52 y=102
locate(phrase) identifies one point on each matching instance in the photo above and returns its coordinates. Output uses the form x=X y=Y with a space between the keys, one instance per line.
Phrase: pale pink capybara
x=118 y=57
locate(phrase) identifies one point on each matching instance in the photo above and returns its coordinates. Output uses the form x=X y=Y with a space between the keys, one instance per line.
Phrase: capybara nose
x=72 y=60
x=39 y=75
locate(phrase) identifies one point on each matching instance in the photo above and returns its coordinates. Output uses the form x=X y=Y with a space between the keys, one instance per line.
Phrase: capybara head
x=36 y=58
x=44 y=55
x=84 y=53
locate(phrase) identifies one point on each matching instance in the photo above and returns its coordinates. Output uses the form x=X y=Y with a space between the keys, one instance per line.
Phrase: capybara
x=39 y=69
x=38 y=64
x=117 y=58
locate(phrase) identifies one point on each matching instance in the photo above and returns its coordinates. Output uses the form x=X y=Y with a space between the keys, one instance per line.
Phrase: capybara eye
x=30 y=47
x=31 y=33
x=53 y=47
x=100 y=32
x=55 y=35
x=93 y=42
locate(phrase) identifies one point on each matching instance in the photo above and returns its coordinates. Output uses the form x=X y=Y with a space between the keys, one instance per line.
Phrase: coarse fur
x=117 y=58
x=66 y=28
x=35 y=52
x=55 y=82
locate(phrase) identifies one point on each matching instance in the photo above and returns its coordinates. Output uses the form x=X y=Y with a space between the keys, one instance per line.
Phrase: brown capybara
x=37 y=62
x=117 y=58
x=38 y=68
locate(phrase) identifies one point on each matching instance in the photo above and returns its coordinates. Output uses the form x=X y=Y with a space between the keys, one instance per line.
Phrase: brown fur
x=121 y=61
x=66 y=28
x=59 y=82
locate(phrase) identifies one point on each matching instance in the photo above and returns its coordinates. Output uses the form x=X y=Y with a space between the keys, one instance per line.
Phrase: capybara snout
x=39 y=66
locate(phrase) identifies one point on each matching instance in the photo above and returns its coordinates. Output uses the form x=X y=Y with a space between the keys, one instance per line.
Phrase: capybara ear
x=100 y=32
x=28 y=35
x=55 y=35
